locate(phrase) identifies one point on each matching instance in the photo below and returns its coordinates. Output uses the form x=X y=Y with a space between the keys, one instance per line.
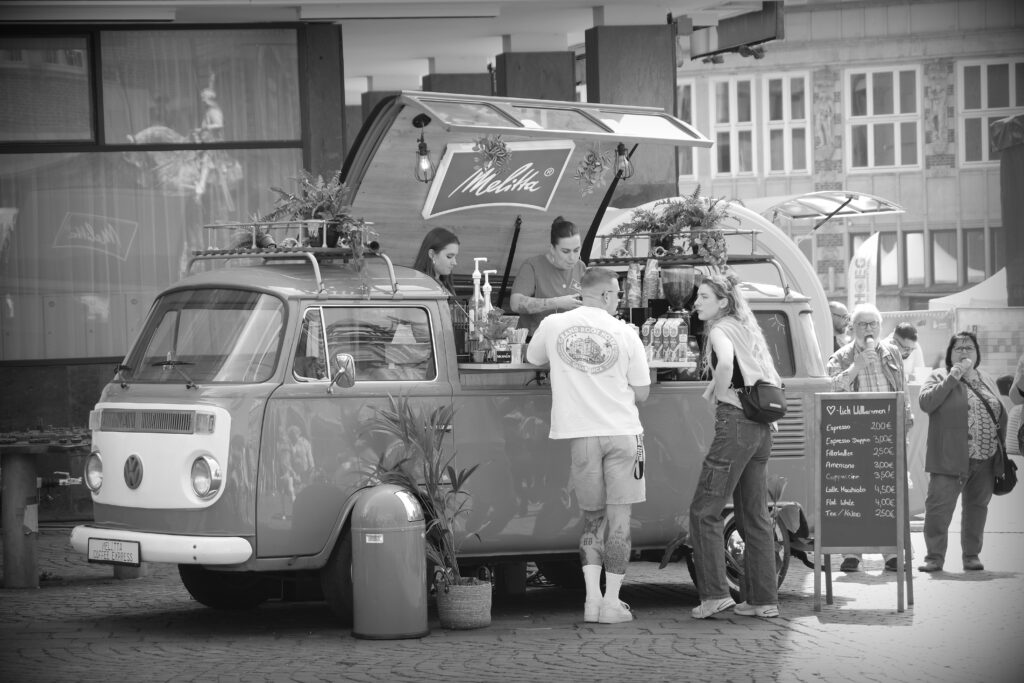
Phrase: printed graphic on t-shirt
x=587 y=349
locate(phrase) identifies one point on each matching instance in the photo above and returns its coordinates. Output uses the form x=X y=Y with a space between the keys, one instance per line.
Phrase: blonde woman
x=734 y=467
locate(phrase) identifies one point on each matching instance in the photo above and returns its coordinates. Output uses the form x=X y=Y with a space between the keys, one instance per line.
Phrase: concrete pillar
x=539 y=75
x=636 y=65
x=323 y=66
x=536 y=65
x=20 y=492
x=461 y=75
x=466 y=84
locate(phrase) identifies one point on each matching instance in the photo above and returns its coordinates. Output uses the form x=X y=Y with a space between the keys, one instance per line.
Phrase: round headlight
x=93 y=471
x=206 y=478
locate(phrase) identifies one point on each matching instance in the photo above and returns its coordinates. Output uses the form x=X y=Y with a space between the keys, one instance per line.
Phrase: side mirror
x=345 y=376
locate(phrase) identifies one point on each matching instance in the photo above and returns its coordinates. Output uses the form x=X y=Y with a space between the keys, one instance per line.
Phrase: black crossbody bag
x=763 y=401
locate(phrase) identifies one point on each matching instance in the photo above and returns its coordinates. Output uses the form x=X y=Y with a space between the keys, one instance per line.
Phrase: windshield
x=208 y=335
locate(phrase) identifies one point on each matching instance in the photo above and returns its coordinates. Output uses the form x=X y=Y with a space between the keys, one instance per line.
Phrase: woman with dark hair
x=734 y=468
x=550 y=282
x=966 y=429
x=438 y=256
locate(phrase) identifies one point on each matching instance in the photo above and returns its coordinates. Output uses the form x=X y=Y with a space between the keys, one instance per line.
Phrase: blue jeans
x=735 y=466
x=943 y=490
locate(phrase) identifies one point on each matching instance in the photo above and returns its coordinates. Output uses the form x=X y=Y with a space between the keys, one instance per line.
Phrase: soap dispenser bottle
x=475 y=306
x=486 y=289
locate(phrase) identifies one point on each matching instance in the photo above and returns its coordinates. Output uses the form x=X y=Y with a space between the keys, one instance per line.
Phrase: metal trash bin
x=389 y=565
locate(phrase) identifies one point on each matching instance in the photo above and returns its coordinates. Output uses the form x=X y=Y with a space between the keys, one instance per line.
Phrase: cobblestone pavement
x=84 y=625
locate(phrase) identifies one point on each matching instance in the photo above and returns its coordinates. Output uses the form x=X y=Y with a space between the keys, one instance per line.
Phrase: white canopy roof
x=990 y=293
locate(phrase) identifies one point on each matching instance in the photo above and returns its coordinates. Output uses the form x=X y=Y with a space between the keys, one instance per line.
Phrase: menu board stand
x=861 y=484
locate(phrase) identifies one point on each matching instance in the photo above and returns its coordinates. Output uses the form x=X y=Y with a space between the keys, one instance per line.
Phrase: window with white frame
x=732 y=113
x=883 y=118
x=684 y=111
x=786 y=124
x=944 y=269
x=988 y=91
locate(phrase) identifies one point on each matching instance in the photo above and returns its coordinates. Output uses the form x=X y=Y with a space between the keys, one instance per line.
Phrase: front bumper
x=175 y=549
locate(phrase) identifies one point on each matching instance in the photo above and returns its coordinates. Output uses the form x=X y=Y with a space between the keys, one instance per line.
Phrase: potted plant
x=315 y=200
x=416 y=461
x=692 y=223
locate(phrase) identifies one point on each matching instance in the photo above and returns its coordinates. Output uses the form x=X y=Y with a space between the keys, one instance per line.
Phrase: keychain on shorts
x=638 y=463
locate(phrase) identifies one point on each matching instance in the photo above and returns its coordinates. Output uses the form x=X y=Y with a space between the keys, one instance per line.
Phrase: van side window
x=775 y=326
x=388 y=344
x=310 y=355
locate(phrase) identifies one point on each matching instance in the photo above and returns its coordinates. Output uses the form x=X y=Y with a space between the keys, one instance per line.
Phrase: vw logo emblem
x=133 y=471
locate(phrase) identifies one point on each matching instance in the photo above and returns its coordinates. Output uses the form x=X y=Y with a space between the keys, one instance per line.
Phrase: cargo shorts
x=603 y=469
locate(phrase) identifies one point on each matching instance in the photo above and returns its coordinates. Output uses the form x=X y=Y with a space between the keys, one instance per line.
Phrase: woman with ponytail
x=735 y=465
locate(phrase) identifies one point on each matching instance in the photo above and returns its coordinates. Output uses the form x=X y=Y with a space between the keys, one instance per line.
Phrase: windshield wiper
x=176 y=365
x=118 y=369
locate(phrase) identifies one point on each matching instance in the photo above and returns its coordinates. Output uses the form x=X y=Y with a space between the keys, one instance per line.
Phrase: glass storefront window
x=91 y=238
x=167 y=87
x=974 y=254
x=943 y=263
x=888 y=263
x=45 y=86
x=914 y=249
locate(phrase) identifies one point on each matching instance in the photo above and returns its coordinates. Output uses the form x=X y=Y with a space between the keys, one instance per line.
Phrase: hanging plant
x=491 y=152
x=592 y=169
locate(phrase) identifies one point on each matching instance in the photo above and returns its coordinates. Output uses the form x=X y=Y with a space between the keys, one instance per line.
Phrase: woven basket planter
x=464 y=605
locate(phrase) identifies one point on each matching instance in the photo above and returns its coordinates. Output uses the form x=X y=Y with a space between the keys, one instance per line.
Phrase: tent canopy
x=990 y=293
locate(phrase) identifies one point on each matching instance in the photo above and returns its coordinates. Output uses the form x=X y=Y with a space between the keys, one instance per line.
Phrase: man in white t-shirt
x=598 y=373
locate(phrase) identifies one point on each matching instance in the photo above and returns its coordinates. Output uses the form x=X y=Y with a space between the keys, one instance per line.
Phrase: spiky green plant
x=417 y=462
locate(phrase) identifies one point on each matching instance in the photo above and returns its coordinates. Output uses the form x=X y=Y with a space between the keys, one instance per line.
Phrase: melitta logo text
x=109 y=235
x=485 y=182
x=530 y=180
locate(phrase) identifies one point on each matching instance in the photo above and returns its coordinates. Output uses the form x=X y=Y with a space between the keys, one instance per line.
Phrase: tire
x=336 y=579
x=226 y=590
x=734 y=545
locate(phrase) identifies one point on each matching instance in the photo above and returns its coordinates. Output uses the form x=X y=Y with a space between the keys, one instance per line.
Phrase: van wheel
x=225 y=590
x=336 y=579
x=734 y=548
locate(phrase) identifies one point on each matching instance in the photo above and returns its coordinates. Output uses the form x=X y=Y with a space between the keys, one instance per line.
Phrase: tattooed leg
x=619 y=544
x=592 y=540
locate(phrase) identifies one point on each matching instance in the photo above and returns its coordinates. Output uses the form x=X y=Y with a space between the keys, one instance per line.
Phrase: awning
x=825 y=205
x=550 y=119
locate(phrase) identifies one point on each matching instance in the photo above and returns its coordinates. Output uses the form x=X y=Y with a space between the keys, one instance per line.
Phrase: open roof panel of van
x=555 y=119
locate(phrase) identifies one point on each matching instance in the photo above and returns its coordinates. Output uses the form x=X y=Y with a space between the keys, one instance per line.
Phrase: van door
x=315 y=447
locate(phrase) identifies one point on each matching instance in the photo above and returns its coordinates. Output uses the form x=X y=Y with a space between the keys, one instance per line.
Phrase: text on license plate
x=109 y=551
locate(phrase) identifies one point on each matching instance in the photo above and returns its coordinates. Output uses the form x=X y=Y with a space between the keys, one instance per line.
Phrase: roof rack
x=290 y=248
x=670 y=259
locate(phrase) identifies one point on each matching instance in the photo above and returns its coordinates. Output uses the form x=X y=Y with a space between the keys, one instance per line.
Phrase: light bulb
x=623 y=166
x=424 y=171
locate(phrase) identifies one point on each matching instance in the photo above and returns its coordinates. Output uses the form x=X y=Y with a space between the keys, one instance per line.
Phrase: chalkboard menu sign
x=861 y=471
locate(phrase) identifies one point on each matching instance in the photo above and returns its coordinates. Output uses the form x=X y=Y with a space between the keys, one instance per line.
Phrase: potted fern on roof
x=324 y=206
x=416 y=460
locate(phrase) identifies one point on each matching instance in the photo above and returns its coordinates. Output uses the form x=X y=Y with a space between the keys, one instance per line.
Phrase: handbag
x=1005 y=483
x=762 y=402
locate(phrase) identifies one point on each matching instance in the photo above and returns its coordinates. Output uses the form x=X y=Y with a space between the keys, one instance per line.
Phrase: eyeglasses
x=866 y=325
x=964 y=349
x=616 y=292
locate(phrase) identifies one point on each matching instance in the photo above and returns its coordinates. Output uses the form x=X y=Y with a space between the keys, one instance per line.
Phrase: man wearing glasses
x=598 y=374
x=840 y=324
x=904 y=340
x=867 y=364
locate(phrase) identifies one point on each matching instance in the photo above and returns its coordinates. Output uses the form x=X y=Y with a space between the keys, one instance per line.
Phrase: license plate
x=108 y=551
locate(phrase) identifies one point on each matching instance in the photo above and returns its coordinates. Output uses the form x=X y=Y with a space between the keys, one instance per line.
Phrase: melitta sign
x=529 y=179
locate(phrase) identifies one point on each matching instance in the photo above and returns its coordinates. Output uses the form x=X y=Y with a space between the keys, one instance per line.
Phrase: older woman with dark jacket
x=966 y=427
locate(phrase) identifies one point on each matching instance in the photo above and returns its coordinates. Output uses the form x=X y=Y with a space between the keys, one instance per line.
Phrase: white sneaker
x=592 y=610
x=614 y=612
x=765 y=611
x=709 y=608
